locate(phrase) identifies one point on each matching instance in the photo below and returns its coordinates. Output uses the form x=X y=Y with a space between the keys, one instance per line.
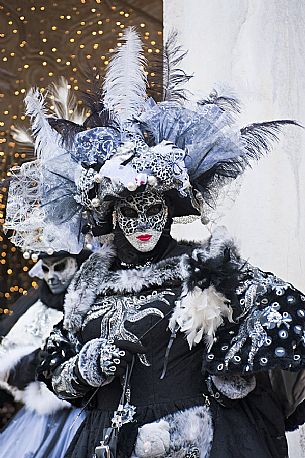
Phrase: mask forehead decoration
x=58 y=273
x=142 y=218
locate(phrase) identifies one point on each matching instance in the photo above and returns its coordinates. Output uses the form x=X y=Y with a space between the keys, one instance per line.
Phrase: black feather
x=257 y=141
x=93 y=101
x=93 y=97
x=103 y=118
x=221 y=272
x=173 y=77
x=67 y=129
x=213 y=180
x=223 y=102
x=258 y=137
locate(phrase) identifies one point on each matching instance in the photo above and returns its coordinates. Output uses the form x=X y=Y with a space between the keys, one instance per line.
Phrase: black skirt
x=250 y=428
x=90 y=433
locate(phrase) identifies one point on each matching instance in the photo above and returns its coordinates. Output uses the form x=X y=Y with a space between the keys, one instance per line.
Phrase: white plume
x=64 y=103
x=199 y=314
x=21 y=135
x=47 y=140
x=124 y=88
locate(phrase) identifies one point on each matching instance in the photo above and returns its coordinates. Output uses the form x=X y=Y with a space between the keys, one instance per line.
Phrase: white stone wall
x=256 y=48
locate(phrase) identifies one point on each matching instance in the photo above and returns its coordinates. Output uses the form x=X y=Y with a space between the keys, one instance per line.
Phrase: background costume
x=42 y=427
x=188 y=333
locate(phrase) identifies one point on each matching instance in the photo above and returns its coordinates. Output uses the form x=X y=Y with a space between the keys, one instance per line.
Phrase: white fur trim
x=189 y=428
x=94 y=278
x=234 y=386
x=39 y=398
x=153 y=440
x=10 y=358
x=82 y=290
x=199 y=313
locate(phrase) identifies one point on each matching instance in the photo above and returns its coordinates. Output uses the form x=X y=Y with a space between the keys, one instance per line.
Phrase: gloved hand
x=101 y=359
x=117 y=355
x=57 y=350
x=24 y=371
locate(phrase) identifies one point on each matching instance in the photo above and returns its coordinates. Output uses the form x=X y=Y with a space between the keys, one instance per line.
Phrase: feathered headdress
x=129 y=143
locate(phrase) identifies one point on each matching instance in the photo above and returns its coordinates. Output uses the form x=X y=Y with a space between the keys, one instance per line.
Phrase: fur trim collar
x=94 y=277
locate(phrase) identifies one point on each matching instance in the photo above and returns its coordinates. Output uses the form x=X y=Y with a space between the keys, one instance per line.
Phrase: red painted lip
x=144 y=237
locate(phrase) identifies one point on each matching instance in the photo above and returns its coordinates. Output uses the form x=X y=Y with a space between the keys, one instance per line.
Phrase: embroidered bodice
x=227 y=317
x=145 y=316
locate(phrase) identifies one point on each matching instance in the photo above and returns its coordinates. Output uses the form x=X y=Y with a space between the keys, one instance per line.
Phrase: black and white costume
x=207 y=399
x=42 y=426
x=169 y=345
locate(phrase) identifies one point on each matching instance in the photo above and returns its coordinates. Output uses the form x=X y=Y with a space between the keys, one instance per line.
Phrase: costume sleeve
x=267 y=330
x=289 y=388
x=70 y=369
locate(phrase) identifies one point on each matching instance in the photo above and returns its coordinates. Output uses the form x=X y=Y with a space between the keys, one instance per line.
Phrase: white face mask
x=142 y=219
x=58 y=273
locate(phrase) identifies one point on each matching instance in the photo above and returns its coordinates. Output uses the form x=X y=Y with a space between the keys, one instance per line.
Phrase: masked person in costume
x=170 y=343
x=42 y=427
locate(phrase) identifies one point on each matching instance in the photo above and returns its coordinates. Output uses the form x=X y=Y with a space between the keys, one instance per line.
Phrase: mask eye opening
x=45 y=268
x=154 y=209
x=60 y=266
x=129 y=212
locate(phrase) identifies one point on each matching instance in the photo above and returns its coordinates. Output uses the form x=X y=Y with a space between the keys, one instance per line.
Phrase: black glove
x=116 y=356
x=25 y=370
x=57 y=350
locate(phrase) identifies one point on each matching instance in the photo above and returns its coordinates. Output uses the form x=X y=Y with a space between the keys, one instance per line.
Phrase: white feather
x=64 y=103
x=21 y=135
x=124 y=89
x=199 y=314
x=47 y=140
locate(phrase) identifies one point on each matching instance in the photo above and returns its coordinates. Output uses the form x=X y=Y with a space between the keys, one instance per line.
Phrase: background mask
x=58 y=272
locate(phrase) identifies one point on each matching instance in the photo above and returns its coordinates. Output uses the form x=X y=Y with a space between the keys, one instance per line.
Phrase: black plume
x=173 y=76
x=258 y=137
x=103 y=118
x=67 y=129
x=221 y=272
x=225 y=103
